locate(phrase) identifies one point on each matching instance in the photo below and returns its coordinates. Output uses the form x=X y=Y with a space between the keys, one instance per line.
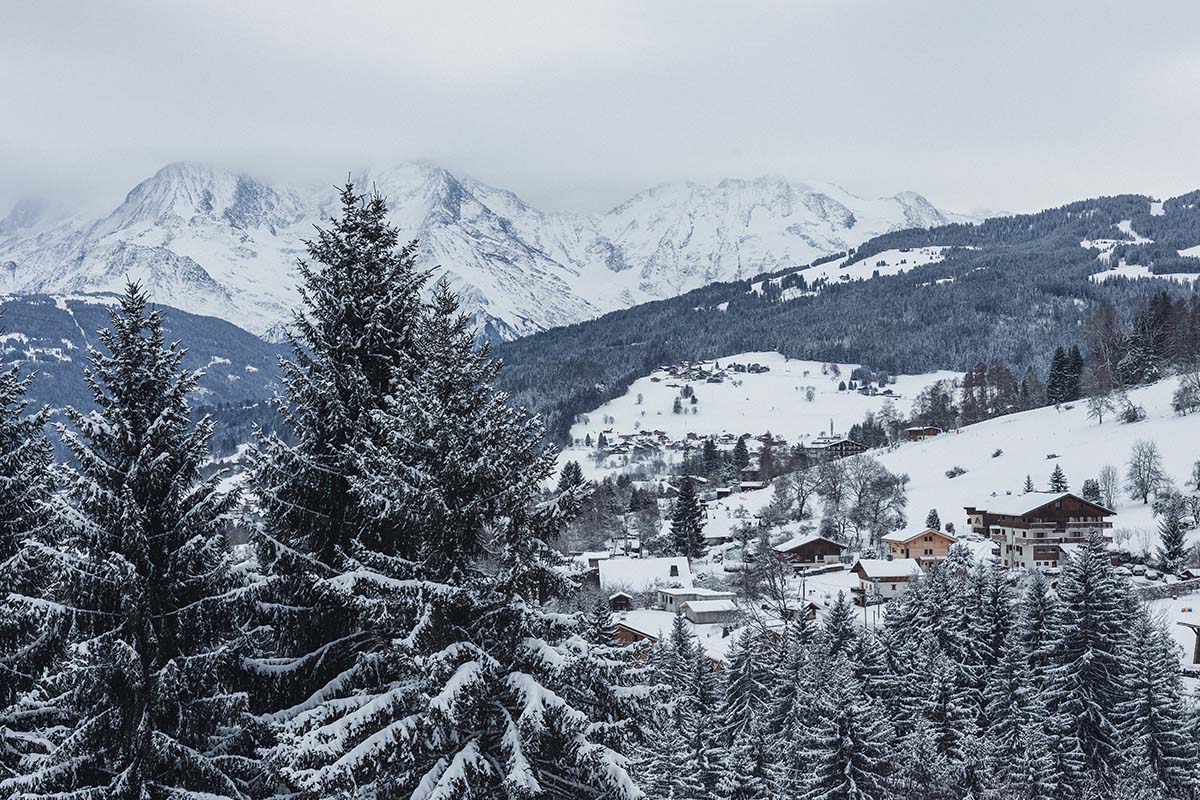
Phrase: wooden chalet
x=1031 y=529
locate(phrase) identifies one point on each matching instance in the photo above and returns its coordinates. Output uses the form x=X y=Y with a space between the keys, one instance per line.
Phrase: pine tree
x=354 y=340
x=743 y=771
x=746 y=686
x=838 y=629
x=472 y=686
x=850 y=745
x=1090 y=491
x=1172 y=530
x=1151 y=717
x=932 y=521
x=1058 y=480
x=687 y=522
x=741 y=455
x=1083 y=687
x=1028 y=487
x=146 y=702
x=570 y=477
x=1073 y=377
x=712 y=458
x=28 y=635
x=1058 y=379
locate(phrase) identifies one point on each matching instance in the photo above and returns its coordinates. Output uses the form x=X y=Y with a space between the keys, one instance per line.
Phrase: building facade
x=1031 y=529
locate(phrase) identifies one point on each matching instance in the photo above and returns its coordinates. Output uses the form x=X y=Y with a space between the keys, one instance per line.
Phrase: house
x=751 y=486
x=592 y=558
x=832 y=448
x=671 y=599
x=636 y=575
x=1031 y=529
x=921 y=432
x=926 y=545
x=882 y=579
x=620 y=601
x=702 y=612
x=810 y=548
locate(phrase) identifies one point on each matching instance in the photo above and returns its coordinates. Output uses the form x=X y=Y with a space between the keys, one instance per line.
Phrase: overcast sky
x=1011 y=105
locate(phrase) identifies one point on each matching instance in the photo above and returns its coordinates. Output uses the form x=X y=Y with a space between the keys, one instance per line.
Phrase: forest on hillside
x=1018 y=290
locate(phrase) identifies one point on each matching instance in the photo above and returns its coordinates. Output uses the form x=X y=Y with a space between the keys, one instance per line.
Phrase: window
x=674 y=571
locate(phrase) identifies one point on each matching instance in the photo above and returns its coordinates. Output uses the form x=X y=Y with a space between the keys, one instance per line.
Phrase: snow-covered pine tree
x=1058 y=480
x=1028 y=487
x=27 y=635
x=746 y=678
x=932 y=521
x=922 y=772
x=353 y=340
x=744 y=769
x=145 y=702
x=570 y=477
x=1152 y=716
x=1084 y=684
x=850 y=746
x=741 y=454
x=687 y=521
x=466 y=688
x=1172 y=529
x=838 y=630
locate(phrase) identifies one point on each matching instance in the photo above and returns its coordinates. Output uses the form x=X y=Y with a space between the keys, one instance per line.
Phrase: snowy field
x=774 y=401
x=1082 y=447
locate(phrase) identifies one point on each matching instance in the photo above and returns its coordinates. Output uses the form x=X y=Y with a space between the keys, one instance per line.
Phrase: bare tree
x=806 y=484
x=1098 y=405
x=1110 y=484
x=1144 y=474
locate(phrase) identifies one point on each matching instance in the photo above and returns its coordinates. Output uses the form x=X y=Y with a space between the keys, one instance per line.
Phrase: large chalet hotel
x=1037 y=531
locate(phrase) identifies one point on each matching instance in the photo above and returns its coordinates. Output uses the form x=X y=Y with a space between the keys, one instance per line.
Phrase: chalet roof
x=876 y=568
x=904 y=537
x=1020 y=505
x=643 y=574
x=803 y=539
x=711 y=606
x=696 y=591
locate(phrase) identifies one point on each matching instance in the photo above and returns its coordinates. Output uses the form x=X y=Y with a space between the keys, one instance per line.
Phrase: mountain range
x=219 y=243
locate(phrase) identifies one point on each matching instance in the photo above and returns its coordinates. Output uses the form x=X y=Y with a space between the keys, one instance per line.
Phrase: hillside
x=1010 y=289
x=224 y=244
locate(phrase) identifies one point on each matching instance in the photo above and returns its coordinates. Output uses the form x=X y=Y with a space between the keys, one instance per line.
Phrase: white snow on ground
x=745 y=403
x=889 y=262
x=1124 y=270
x=1190 y=252
x=1126 y=226
x=1082 y=447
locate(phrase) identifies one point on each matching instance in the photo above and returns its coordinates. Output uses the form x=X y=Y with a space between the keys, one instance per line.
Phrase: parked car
x=1124 y=572
x=1152 y=575
x=1139 y=569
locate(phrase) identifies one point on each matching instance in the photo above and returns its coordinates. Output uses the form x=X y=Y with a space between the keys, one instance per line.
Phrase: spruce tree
x=472 y=687
x=687 y=521
x=1152 y=717
x=850 y=745
x=838 y=629
x=741 y=455
x=932 y=521
x=1028 y=487
x=747 y=675
x=1058 y=378
x=1172 y=530
x=1090 y=491
x=1084 y=683
x=146 y=701
x=570 y=477
x=27 y=514
x=1058 y=480
x=352 y=342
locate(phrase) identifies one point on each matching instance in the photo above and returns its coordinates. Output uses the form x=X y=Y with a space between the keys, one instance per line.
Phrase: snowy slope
x=215 y=242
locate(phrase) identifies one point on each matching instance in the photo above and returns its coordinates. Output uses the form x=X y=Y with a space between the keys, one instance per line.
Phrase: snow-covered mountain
x=215 y=242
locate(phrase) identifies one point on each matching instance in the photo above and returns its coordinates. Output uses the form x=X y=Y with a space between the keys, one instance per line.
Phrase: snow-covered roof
x=888 y=568
x=644 y=574
x=695 y=591
x=709 y=606
x=901 y=537
x=1018 y=505
x=980 y=550
x=800 y=541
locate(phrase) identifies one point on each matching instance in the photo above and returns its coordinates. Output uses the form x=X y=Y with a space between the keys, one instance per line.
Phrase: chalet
x=809 y=548
x=925 y=546
x=592 y=558
x=751 y=486
x=919 y=433
x=620 y=601
x=882 y=579
x=832 y=448
x=644 y=574
x=1032 y=529
x=672 y=599
x=703 y=612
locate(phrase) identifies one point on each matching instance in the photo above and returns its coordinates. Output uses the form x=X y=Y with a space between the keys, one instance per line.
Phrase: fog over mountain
x=212 y=241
